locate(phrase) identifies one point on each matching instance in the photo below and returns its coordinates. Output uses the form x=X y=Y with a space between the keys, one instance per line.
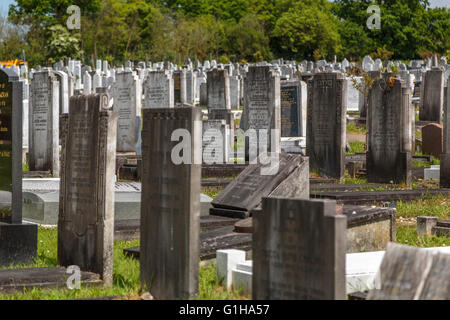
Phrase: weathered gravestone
x=158 y=90
x=293 y=108
x=445 y=157
x=216 y=144
x=218 y=89
x=44 y=123
x=170 y=208
x=299 y=250
x=191 y=80
x=389 y=130
x=18 y=242
x=86 y=205
x=432 y=139
x=285 y=175
x=433 y=96
x=262 y=105
x=179 y=86
x=127 y=105
x=409 y=273
x=326 y=124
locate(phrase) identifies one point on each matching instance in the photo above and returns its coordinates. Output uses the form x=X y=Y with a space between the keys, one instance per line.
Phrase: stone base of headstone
x=18 y=244
x=230 y=213
x=445 y=171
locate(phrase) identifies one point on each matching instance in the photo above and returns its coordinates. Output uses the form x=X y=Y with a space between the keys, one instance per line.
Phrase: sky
x=4 y=4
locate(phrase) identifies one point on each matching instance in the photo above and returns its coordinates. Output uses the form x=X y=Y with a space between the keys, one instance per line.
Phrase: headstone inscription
x=389 y=130
x=299 y=249
x=44 y=123
x=158 y=90
x=293 y=108
x=170 y=210
x=18 y=242
x=326 y=124
x=86 y=205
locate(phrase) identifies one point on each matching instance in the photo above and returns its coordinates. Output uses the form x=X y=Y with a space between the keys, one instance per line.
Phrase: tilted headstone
x=294 y=101
x=326 y=124
x=218 y=89
x=445 y=157
x=389 y=130
x=127 y=105
x=299 y=250
x=18 y=242
x=432 y=100
x=262 y=104
x=170 y=210
x=86 y=204
x=158 y=90
x=44 y=123
x=409 y=273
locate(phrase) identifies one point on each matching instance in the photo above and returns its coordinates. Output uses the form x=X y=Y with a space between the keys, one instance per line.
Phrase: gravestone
x=326 y=124
x=445 y=157
x=18 y=242
x=218 y=89
x=235 y=91
x=63 y=80
x=127 y=105
x=86 y=205
x=179 y=86
x=433 y=96
x=216 y=144
x=290 y=178
x=409 y=273
x=432 y=139
x=389 y=130
x=299 y=249
x=191 y=80
x=170 y=210
x=262 y=104
x=44 y=123
x=158 y=90
x=293 y=108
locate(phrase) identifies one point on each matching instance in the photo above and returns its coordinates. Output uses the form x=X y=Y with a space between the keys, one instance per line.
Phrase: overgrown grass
x=438 y=206
x=353 y=128
x=357 y=147
x=211 y=289
x=407 y=234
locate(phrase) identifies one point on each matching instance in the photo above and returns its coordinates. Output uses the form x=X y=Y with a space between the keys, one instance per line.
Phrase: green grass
x=25 y=167
x=353 y=128
x=407 y=234
x=357 y=147
x=126 y=276
x=438 y=206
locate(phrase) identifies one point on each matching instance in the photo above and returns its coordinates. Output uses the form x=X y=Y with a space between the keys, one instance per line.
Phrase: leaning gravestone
x=86 y=205
x=299 y=249
x=409 y=273
x=445 y=157
x=293 y=108
x=170 y=208
x=289 y=178
x=389 y=130
x=158 y=90
x=326 y=124
x=44 y=123
x=18 y=242
x=127 y=105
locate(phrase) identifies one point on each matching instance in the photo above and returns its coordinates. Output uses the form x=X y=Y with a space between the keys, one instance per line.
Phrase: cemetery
x=274 y=179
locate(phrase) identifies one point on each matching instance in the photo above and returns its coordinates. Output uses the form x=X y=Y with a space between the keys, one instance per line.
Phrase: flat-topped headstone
x=44 y=123
x=18 y=242
x=86 y=205
x=409 y=273
x=445 y=157
x=179 y=86
x=218 y=89
x=326 y=124
x=159 y=90
x=389 y=130
x=293 y=108
x=433 y=96
x=290 y=179
x=170 y=210
x=299 y=251
x=216 y=142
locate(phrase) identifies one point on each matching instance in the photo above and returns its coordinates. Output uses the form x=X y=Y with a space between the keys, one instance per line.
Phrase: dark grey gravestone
x=44 y=123
x=179 y=86
x=86 y=205
x=289 y=179
x=170 y=211
x=299 y=250
x=389 y=131
x=326 y=124
x=445 y=158
x=18 y=242
x=293 y=108
x=433 y=96
x=409 y=273
x=218 y=89
x=262 y=107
